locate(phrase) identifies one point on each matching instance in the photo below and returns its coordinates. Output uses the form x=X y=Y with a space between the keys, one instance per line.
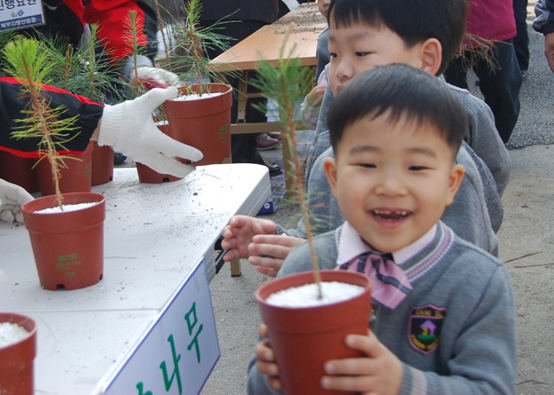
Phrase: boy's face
x=323 y=6
x=392 y=180
x=359 y=47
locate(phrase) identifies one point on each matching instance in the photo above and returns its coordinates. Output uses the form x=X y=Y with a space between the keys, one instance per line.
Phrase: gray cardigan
x=476 y=351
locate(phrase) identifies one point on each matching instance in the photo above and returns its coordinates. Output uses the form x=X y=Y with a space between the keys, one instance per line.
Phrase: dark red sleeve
x=112 y=18
x=12 y=103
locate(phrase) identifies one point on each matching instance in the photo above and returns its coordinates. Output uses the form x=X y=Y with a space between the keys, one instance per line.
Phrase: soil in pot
x=76 y=177
x=204 y=123
x=68 y=247
x=304 y=338
x=17 y=353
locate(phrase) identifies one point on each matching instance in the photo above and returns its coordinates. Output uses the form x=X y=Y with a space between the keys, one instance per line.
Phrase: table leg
x=242 y=97
x=235 y=268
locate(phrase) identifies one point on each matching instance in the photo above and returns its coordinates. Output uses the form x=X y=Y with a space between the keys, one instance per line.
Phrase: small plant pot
x=146 y=174
x=16 y=359
x=102 y=164
x=303 y=339
x=203 y=123
x=76 y=177
x=69 y=246
x=19 y=171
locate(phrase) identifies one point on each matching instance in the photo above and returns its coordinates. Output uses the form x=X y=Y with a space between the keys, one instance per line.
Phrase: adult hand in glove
x=148 y=75
x=128 y=128
x=11 y=198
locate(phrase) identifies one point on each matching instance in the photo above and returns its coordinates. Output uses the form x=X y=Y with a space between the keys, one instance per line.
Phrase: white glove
x=11 y=198
x=128 y=128
x=154 y=77
x=150 y=76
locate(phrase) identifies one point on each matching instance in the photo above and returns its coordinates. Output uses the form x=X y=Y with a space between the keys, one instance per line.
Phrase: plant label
x=179 y=350
x=20 y=14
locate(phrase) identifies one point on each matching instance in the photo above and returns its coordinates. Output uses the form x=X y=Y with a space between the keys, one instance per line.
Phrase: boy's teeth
x=387 y=214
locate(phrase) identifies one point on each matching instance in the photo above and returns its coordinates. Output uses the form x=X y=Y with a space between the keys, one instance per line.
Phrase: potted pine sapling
x=18 y=335
x=201 y=116
x=66 y=229
x=308 y=314
x=136 y=88
x=86 y=71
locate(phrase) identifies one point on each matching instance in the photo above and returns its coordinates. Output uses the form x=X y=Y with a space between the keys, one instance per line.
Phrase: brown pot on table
x=150 y=176
x=16 y=360
x=303 y=339
x=69 y=246
x=19 y=171
x=76 y=177
x=203 y=123
x=102 y=164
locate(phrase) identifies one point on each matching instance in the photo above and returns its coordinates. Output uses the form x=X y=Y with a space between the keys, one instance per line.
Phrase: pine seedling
x=187 y=47
x=132 y=40
x=287 y=82
x=84 y=71
x=28 y=62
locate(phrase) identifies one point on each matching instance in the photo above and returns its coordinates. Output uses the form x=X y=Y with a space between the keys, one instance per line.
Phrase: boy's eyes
x=361 y=54
x=373 y=166
x=367 y=165
x=417 y=168
x=332 y=55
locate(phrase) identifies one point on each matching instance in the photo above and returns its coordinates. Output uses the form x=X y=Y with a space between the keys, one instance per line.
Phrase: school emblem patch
x=424 y=329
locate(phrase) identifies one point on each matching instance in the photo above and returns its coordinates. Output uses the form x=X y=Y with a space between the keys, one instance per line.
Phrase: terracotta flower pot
x=75 y=178
x=19 y=171
x=69 y=246
x=303 y=339
x=149 y=176
x=102 y=164
x=204 y=123
x=16 y=360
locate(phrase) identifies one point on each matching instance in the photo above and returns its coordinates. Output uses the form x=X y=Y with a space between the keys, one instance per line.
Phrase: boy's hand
x=239 y=233
x=315 y=97
x=380 y=373
x=268 y=252
x=266 y=360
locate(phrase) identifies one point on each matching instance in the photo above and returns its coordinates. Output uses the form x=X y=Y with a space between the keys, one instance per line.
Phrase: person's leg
x=500 y=86
x=243 y=146
x=456 y=73
x=521 y=40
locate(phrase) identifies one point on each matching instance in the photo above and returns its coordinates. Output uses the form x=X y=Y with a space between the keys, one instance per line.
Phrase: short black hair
x=414 y=21
x=401 y=91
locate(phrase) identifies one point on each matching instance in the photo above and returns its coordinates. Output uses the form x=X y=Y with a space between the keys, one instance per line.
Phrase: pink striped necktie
x=389 y=283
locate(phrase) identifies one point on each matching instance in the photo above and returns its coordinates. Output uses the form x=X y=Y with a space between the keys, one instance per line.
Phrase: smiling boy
x=395 y=131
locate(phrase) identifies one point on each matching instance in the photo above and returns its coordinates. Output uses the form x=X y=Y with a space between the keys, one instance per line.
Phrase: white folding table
x=153 y=235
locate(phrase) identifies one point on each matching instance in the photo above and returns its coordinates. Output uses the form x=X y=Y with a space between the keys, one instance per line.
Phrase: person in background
x=521 y=39
x=544 y=23
x=312 y=102
x=497 y=70
x=250 y=15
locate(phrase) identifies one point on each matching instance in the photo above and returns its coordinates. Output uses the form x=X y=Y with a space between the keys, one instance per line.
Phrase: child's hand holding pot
x=379 y=373
x=265 y=362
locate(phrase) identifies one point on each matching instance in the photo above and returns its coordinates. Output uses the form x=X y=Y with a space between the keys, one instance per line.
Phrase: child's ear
x=431 y=55
x=330 y=168
x=454 y=182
